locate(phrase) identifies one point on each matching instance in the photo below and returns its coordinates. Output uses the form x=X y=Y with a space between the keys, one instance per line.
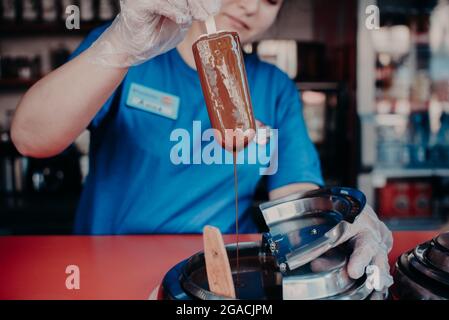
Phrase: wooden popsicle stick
x=211 y=27
x=218 y=269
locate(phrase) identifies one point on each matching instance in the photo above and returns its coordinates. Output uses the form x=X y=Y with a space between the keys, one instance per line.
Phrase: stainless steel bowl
x=259 y=278
x=422 y=273
x=438 y=253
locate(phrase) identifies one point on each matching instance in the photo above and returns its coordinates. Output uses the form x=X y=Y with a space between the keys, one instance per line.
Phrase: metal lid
x=418 y=274
x=443 y=241
x=323 y=278
x=306 y=225
x=406 y=286
x=438 y=253
x=420 y=262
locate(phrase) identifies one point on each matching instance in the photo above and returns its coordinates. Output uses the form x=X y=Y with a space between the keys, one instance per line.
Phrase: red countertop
x=120 y=267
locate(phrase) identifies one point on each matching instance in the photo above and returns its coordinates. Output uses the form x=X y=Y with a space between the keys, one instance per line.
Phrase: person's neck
x=185 y=47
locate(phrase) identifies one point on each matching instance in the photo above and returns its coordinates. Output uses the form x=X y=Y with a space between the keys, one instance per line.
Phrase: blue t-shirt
x=136 y=184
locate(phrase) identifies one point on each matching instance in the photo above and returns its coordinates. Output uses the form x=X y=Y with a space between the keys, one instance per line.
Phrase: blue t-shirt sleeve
x=85 y=44
x=298 y=159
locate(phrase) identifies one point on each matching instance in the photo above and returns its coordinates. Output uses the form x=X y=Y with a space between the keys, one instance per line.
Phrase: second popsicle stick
x=218 y=269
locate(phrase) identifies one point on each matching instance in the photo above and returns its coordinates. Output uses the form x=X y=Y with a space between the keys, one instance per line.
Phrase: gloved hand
x=371 y=241
x=147 y=28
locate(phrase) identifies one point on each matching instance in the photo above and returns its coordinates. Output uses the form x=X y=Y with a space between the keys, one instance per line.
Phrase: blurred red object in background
x=405 y=199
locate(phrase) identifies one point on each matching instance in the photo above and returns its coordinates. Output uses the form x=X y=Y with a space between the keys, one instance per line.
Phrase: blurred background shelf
x=16 y=84
x=381 y=175
x=40 y=196
x=402 y=104
x=15 y=30
x=402 y=224
x=37 y=214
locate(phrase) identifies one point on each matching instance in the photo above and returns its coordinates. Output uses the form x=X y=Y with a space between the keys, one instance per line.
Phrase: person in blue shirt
x=134 y=86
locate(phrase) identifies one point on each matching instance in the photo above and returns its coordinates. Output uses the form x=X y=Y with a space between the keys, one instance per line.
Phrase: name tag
x=154 y=101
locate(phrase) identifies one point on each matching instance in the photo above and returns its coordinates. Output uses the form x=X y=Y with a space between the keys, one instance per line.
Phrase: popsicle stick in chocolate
x=218 y=268
x=211 y=27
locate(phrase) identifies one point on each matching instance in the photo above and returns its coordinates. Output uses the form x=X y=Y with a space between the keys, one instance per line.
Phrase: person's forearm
x=59 y=107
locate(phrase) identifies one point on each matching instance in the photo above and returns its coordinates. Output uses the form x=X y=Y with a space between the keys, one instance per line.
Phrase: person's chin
x=243 y=34
x=223 y=23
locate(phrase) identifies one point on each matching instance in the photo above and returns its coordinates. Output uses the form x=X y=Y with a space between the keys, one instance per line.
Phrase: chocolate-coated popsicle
x=221 y=68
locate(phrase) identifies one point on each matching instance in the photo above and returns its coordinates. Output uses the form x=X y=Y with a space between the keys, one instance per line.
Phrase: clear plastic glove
x=147 y=28
x=371 y=241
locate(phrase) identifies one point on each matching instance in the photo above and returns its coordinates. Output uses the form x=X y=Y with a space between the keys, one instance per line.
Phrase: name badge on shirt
x=154 y=101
